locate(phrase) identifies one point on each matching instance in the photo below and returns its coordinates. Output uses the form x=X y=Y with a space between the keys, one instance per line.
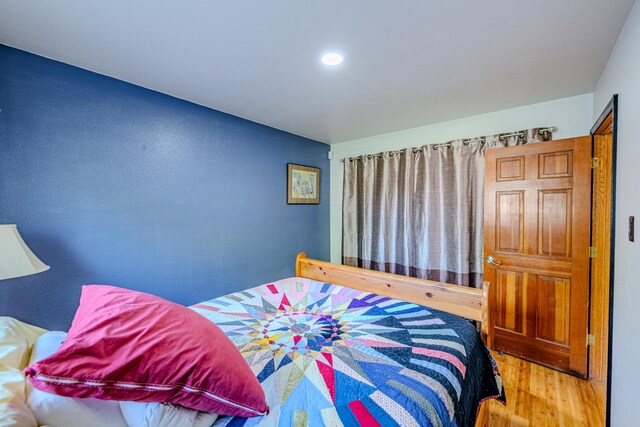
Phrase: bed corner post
x=486 y=313
x=300 y=257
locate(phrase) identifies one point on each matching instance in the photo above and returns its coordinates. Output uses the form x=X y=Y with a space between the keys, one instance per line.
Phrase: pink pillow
x=128 y=345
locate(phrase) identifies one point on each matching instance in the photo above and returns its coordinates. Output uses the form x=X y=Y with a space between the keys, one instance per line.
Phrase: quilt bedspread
x=330 y=355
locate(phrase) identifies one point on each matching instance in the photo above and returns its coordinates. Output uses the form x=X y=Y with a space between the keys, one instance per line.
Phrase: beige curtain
x=418 y=212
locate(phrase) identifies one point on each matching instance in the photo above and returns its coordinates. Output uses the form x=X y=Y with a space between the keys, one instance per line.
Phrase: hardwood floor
x=539 y=396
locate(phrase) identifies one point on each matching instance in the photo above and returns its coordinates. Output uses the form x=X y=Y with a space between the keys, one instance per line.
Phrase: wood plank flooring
x=539 y=396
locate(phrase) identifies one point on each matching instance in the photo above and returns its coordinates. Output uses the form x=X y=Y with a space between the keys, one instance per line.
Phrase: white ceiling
x=407 y=63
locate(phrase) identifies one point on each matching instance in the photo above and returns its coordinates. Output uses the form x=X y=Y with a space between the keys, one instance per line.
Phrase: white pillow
x=16 y=339
x=60 y=411
x=46 y=344
x=143 y=414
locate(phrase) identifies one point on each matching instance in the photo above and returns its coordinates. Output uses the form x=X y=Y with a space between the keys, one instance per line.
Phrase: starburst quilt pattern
x=331 y=355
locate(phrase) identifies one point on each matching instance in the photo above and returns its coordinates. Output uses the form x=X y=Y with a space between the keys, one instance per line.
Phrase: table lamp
x=16 y=259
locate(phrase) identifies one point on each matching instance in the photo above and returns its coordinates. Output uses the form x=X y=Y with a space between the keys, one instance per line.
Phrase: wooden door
x=536 y=247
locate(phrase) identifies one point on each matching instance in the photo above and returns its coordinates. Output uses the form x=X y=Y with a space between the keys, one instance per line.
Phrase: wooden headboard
x=470 y=303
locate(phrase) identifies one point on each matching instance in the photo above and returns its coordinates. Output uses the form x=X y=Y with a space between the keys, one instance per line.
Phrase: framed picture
x=303 y=185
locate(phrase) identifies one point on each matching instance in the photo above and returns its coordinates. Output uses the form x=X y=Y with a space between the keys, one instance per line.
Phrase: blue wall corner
x=116 y=184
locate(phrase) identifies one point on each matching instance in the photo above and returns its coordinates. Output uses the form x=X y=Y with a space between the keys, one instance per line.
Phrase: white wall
x=622 y=76
x=572 y=116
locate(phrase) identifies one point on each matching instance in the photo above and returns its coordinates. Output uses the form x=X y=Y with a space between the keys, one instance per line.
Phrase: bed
x=335 y=346
x=328 y=350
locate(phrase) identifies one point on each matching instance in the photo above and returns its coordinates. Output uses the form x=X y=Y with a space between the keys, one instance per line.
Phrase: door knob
x=492 y=261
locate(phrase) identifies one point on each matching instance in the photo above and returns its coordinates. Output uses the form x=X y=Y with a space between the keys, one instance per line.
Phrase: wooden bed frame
x=470 y=303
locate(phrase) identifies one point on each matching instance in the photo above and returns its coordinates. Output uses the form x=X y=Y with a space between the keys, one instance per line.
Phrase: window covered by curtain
x=419 y=212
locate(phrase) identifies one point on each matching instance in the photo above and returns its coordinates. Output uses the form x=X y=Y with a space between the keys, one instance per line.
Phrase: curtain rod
x=466 y=141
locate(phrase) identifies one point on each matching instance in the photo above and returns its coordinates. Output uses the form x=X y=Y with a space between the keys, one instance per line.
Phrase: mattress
x=330 y=355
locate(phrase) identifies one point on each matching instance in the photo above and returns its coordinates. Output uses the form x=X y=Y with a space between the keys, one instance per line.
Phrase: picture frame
x=303 y=185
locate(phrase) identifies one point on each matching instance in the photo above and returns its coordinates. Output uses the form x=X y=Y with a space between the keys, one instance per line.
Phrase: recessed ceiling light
x=332 y=59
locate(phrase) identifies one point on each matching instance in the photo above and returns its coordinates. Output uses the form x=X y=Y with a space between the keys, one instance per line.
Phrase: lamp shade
x=16 y=259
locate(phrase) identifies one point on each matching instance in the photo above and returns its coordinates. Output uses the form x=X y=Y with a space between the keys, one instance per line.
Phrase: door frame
x=611 y=108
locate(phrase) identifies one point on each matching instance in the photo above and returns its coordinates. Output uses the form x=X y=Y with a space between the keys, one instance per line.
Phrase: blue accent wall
x=116 y=184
